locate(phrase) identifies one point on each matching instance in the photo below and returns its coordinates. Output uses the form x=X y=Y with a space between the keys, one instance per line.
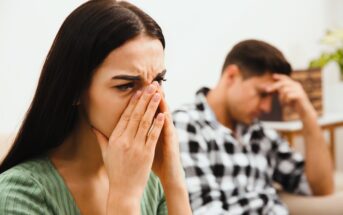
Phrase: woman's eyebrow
x=161 y=74
x=127 y=77
x=136 y=77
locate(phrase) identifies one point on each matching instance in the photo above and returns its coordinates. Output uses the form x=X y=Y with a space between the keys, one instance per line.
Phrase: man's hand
x=291 y=93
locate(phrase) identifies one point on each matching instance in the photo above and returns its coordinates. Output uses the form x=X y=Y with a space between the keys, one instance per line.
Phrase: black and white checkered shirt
x=230 y=173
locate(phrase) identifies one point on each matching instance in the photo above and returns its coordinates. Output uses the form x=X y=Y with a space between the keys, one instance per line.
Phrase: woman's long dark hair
x=84 y=40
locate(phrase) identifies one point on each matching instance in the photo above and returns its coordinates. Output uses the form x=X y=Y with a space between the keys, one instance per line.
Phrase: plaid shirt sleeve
x=289 y=166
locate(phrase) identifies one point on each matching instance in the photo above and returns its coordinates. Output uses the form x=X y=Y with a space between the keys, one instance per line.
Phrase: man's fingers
x=274 y=87
x=279 y=85
x=287 y=97
x=278 y=77
x=280 y=81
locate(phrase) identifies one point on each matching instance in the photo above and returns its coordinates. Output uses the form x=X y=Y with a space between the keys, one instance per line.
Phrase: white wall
x=198 y=34
x=27 y=29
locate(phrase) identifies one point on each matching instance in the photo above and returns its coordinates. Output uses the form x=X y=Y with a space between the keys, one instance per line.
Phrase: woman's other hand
x=128 y=153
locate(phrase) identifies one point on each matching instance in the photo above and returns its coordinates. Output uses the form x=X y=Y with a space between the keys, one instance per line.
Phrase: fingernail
x=156 y=97
x=151 y=88
x=137 y=94
x=160 y=116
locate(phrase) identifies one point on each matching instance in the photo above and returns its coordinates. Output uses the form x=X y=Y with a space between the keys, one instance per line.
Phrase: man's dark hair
x=256 y=58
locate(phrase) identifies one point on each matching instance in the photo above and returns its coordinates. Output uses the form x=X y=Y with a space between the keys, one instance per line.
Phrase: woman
x=98 y=123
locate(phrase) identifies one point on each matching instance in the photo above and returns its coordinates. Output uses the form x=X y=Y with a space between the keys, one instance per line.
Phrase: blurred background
x=199 y=34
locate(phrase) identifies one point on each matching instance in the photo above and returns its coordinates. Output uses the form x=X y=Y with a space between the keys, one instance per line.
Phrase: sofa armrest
x=331 y=204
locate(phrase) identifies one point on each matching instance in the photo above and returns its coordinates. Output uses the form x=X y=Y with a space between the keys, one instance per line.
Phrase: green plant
x=333 y=38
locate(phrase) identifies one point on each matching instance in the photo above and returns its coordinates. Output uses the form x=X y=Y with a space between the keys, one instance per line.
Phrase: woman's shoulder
x=20 y=189
x=26 y=171
x=32 y=165
x=32 y=186
x=153 y=197
x=36 y=172
x=154 y=183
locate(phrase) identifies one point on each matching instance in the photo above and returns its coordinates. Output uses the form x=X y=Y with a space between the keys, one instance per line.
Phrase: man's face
x=247 y=98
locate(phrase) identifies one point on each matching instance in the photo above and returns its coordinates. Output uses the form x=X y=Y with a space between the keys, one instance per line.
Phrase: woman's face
x=125 y=70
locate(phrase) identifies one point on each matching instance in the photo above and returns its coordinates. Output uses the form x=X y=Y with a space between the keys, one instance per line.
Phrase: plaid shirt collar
x=206 y=112
x=209 y=117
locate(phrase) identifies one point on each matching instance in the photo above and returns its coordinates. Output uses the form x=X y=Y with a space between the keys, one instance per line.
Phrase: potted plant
x=334 y=40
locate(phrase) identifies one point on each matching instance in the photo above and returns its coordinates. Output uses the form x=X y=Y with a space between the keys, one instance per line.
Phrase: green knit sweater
x=36 y=188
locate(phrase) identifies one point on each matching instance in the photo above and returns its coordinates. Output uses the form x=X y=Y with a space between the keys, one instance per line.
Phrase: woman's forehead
x=139 y=57
x=140 y=51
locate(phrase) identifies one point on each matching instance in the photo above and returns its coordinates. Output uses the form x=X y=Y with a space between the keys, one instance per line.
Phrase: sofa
x=316 y=205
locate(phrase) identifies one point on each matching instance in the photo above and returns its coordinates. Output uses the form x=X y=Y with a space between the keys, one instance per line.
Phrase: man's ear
x=231 y=73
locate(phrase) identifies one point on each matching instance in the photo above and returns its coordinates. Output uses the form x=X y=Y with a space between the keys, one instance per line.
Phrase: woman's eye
x=125 y=87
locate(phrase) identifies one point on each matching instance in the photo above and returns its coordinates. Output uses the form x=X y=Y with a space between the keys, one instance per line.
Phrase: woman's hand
x=167 y=165
x=128 y=154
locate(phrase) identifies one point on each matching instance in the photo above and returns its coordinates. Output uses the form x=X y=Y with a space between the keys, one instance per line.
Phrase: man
x=231 y=161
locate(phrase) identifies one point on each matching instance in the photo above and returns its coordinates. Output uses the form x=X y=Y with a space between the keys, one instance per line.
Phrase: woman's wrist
x=176 y=191
x=175 y=184
x=122 y=203
x=177 y=198
x=175 y=177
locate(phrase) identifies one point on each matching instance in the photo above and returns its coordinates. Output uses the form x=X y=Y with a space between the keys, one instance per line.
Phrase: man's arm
x=318 y=165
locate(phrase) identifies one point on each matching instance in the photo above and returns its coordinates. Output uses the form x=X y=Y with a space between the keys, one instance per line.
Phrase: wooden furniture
x=290 y=129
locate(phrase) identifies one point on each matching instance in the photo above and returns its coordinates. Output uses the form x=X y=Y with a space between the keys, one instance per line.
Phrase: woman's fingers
x=148 y=117
x=139 y=110
x=168 y=125
x=125 y=117
x=155 y=131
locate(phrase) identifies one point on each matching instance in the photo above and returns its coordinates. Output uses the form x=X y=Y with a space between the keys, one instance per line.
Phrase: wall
x=198 y=34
